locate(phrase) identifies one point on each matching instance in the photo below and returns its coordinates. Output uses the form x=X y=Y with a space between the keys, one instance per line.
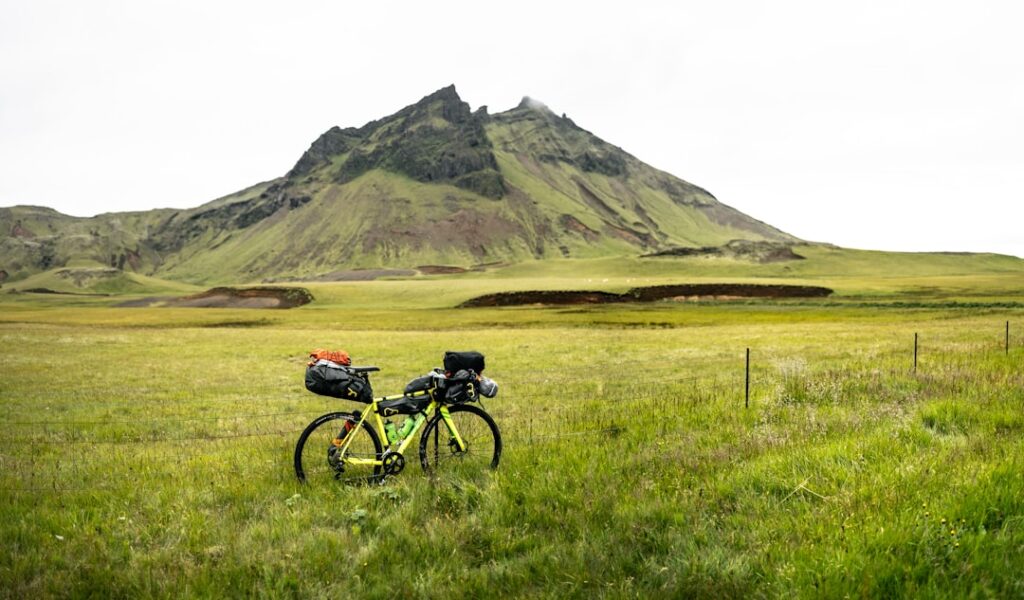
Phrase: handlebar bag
x=463 y=361
x=461 y=387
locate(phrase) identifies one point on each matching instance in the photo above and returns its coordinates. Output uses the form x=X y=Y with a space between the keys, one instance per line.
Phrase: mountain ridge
x=433 y=183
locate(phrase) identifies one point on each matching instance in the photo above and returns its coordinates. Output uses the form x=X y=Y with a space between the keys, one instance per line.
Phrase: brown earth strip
x=739 y=290
x=42 y=290
x=760 y=252
x=225 y=297
x=718 y=291
x=542 y=297
x=364 y=274
x=145 y=302
x=440 y=270
x=346 y=275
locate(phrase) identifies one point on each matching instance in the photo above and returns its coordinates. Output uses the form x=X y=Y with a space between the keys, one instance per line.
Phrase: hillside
x=433 y=184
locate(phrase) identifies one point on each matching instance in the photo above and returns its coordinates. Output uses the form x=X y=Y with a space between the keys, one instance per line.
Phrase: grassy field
x=147 y=452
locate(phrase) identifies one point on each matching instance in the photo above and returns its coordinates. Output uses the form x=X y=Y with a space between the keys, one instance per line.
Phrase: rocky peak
x=336 y=141
x=444 y=103
x=531 y=109
x=446 y=94
x=558 y=139
x=436 y=140
x=331 y=143
x=533 y=104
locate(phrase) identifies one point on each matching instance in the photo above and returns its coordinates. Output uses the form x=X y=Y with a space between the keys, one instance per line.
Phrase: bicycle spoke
x=480 y=447
x=328 y=447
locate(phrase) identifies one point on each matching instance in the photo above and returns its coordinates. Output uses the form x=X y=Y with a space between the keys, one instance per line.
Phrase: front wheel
x=335 y=447
x=440 y=452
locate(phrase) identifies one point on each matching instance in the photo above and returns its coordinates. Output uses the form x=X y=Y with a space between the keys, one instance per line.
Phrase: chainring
x=393 y=463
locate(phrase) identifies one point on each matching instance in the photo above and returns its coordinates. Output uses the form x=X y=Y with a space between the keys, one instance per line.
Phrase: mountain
x=433 y=184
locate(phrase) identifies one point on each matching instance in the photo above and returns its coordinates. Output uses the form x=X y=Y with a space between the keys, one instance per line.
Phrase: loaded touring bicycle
x=367 y=446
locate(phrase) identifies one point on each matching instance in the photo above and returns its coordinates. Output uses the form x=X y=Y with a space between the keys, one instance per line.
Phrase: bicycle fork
x=447 y=417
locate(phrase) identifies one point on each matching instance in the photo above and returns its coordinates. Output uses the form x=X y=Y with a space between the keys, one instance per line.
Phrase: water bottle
x=407 y=427
x=389 y=428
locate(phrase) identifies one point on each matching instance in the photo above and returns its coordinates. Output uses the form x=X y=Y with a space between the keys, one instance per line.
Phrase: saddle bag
x=328 y=378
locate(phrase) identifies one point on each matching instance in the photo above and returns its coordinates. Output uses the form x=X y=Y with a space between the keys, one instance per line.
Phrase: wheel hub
x=453 y=446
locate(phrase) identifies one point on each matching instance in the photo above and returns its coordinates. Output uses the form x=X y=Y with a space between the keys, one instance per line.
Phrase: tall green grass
x=147 y=452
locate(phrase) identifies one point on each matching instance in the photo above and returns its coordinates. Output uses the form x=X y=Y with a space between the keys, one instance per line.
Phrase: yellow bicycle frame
x=404 y=443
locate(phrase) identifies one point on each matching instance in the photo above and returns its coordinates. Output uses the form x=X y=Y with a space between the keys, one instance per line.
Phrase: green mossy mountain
x=435 y=183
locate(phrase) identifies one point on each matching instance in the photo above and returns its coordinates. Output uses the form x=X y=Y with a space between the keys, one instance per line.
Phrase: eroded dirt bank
x=651 y=294
x=225 y=297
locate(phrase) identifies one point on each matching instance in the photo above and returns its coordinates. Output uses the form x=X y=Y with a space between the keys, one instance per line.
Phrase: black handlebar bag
x=463 y=361
x=461 y=387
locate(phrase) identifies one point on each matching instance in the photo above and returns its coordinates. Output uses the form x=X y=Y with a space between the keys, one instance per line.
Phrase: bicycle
x=347 y=446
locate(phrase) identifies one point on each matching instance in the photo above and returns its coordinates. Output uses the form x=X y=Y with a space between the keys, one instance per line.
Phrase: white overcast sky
x=890 y=125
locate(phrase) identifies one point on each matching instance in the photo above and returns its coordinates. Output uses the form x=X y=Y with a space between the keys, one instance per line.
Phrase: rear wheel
x=319 y=454
x=440 y=452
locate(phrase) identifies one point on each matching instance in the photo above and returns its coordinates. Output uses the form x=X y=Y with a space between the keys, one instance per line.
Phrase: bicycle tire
x=477 y=429
x=313 y=452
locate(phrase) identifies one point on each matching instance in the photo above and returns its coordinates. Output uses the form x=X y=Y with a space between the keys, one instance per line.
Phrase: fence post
x=915 y=352
x=1007 y=338
x=746 y=397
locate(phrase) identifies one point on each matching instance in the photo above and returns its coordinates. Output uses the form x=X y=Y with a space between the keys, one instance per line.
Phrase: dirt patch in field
x=731 y=290
x=759 y=252
x=145 y=302
x=543 y=297
x=682 y=292
x=346 y=275
x=42 y=290
x=225 y=297
x=440 y=270
x=364 y=274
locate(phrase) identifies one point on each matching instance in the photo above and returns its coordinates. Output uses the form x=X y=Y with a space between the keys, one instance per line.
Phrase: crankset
x=393 y=463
